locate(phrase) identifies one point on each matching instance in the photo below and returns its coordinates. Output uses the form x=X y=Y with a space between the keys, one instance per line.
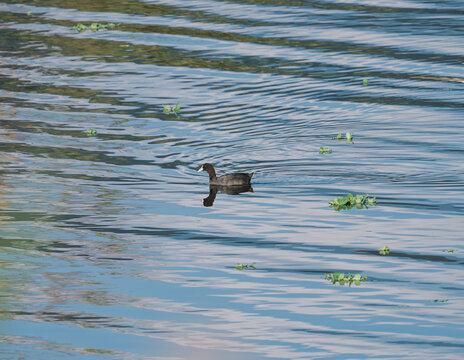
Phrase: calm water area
x=113 y=246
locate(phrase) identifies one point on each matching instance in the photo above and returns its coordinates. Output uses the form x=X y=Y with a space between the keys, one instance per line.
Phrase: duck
x=234 y=179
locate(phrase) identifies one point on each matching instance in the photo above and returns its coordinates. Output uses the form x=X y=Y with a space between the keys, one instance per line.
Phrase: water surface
x=106 y=248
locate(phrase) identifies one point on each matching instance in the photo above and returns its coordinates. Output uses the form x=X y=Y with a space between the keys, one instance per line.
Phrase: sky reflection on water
x=113 y=246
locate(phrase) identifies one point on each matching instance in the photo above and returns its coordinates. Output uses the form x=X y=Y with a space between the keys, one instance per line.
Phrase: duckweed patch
x=365 y=82
x=343 y=278
x=325 y=150
x=91 y=132
x=94 y=27
x=440 y=300
x=349 y=201
x=241 y=266
x=348 y=137
x=167 y=109
x=384 y=250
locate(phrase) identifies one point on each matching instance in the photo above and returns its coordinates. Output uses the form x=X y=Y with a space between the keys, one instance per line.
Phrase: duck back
x=233 y=179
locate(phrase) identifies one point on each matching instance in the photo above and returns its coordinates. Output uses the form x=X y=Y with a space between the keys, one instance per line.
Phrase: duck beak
x=200 y=169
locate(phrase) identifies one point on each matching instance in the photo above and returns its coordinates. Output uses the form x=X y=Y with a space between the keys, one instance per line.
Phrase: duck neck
x=212 y=174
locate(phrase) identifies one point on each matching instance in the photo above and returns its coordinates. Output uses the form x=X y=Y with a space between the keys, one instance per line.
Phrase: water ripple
x=113 y=245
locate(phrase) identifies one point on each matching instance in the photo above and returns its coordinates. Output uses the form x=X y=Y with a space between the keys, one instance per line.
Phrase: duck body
x=234 y=179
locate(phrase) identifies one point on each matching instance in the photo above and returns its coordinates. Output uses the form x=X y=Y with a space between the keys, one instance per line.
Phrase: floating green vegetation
x=365 y=82
x=343 y=278
x=349 y=201
x=384 y=250
x=348 y=137
x=325 y=150
x=30 y=13
x=174 y=109
x=241 y=266
x=440 y=300
x=450 y=250
x=94 y=27
x=91 y=132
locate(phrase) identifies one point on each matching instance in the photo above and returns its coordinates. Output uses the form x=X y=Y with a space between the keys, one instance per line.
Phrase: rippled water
x=106 y=249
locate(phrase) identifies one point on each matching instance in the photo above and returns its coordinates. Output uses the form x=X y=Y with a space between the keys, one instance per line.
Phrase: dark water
x=106 y=249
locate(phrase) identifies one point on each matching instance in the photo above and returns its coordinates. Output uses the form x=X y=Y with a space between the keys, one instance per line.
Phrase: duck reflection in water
x=230 y=190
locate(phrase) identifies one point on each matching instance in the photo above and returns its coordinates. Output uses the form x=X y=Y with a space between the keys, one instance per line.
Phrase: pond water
x=106 y=248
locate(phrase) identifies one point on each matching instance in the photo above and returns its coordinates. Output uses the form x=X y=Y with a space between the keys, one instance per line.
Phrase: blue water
x=106 y=248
